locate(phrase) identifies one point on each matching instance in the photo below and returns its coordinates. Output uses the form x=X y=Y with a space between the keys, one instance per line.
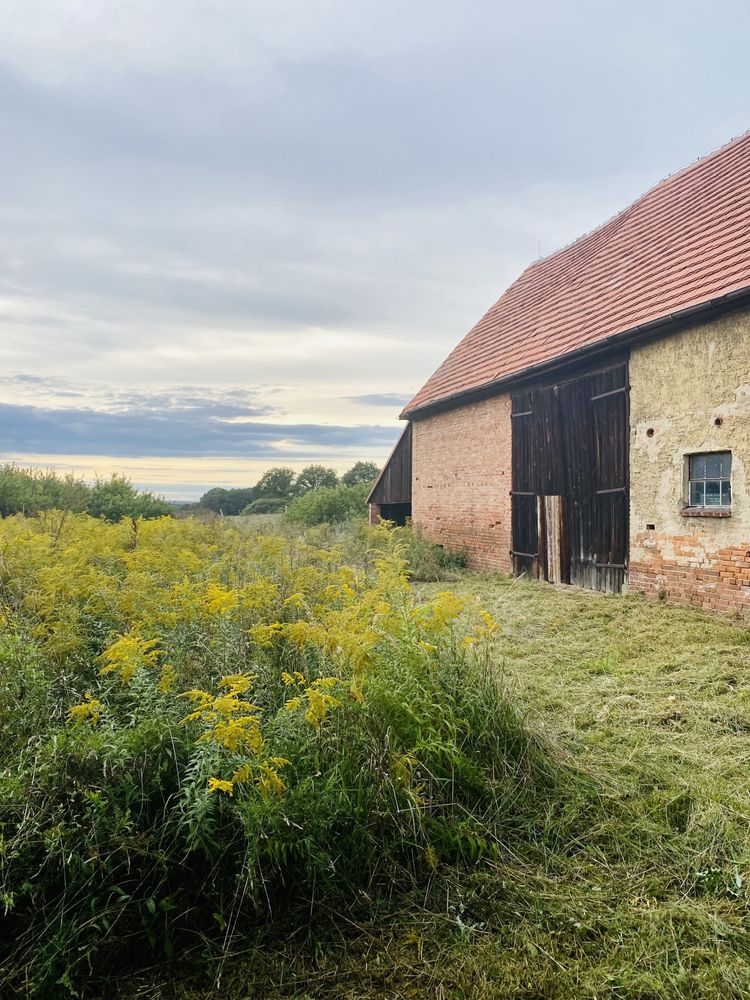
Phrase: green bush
x=266 y=505
x=329 y=505
x=31 y=491
x=116 y=498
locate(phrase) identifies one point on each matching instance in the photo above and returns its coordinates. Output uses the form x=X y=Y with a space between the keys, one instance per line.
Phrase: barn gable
x=390 y=498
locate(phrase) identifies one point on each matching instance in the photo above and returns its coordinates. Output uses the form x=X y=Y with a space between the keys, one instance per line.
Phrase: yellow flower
x=217 y=601
x=128 y=654
x=269 y=781
x=293 y=678
x=237 y=683
x=219 y=785
x=319 y=705
x=168 y=679
x=89 y=710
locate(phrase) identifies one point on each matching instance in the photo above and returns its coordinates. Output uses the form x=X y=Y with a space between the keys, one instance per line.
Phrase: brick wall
x=461 y=478
x=676 y=568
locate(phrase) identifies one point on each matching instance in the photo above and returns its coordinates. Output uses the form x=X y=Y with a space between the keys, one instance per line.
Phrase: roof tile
x=683 y=243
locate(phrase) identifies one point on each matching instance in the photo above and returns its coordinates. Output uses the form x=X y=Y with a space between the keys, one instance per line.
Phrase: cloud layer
x=288 y=213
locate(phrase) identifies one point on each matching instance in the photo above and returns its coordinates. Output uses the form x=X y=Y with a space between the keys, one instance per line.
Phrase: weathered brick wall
x=690 y=393
x=461 y=479
x=676 y=568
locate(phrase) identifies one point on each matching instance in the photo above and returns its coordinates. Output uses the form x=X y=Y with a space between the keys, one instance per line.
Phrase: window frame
x=723 y=479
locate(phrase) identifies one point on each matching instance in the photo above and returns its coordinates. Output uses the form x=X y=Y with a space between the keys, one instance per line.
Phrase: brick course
x=676 y=568
x=461 y=480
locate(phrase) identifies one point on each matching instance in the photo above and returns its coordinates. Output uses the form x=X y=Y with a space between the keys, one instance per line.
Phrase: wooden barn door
x=569 y=477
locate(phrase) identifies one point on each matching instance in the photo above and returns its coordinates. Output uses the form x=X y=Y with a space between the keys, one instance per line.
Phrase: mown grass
x=648 y=899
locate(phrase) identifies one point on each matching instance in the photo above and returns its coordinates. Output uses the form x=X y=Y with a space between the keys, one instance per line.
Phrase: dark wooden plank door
x=570 y=463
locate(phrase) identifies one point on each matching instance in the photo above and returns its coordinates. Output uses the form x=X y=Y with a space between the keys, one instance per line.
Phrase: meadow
x=246 y=761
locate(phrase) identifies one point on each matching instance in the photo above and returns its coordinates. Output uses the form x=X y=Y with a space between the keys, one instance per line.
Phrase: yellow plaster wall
x=679 y=386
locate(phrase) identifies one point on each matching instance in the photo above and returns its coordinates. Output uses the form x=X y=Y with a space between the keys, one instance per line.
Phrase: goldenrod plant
x=210 y=726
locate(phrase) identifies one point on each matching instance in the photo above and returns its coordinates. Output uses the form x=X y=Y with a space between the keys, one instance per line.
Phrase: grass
x=648 y=900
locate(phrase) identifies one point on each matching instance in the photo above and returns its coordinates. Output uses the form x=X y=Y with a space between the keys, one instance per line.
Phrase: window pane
x=713 y=493
x=697 y=466
x=696 y=494
x=726 y=464
x=726 y=493
x=713 y=466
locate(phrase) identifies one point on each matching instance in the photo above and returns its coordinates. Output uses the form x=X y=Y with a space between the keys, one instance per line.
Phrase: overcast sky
x=236 y=234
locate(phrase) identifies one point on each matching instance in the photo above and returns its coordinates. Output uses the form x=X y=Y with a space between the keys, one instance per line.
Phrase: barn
x=593 y=428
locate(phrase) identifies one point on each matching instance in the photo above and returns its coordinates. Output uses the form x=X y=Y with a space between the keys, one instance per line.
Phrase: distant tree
x=329 y=505
x=215 y=500
x=238 y=499
x=276 y=482
x=62 y=492
x=116 y=498
x=361 y=472
x=315 y=477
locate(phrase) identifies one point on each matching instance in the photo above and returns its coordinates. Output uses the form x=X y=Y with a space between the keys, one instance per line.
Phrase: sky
x=237 y=234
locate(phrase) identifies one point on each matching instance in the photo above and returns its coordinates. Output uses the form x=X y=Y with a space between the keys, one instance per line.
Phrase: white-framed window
x=709 y=479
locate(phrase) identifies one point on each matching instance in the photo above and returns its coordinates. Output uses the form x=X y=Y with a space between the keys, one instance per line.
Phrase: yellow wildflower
x=128 y=654
x=220 y=785
x=217 y=601
x=319 y=705
x=168 y=679
x=89 y=710
x=294 y=678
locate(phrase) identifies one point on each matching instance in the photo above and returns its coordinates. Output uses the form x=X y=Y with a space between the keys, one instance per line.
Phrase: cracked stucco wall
x=679 y=386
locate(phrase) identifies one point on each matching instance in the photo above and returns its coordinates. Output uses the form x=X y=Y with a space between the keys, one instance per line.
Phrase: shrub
x=117 y=498
x=31 y=491
x=266 y=505
x=218 y=726
x=329 y=505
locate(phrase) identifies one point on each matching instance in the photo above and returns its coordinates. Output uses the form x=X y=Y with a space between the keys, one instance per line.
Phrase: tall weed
x=211 y=727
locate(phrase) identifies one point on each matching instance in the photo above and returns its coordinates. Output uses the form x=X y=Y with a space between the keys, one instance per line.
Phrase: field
x=410 y=796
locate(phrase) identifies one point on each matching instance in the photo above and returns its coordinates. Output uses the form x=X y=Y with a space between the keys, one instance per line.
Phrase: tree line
x=31 y=491
x=314 y=495
x=280 y=487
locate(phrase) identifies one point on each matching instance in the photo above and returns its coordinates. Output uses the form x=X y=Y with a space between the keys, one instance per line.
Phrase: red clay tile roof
x=683 y=243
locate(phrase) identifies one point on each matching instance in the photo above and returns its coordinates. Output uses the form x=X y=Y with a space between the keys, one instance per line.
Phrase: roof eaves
x=494 y=386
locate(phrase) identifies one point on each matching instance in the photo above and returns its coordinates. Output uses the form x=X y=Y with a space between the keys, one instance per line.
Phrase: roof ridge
x=704 y=158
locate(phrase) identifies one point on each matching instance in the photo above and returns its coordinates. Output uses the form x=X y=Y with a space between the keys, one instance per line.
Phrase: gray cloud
x=394 y=400
x=200 y=430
